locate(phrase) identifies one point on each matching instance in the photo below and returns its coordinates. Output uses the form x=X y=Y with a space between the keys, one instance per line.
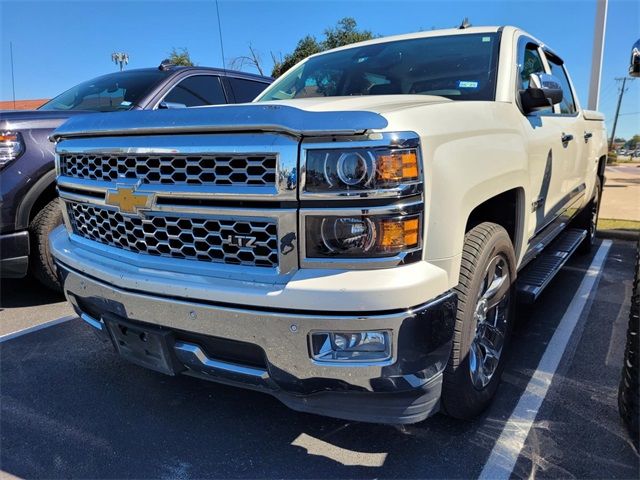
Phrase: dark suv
x=28 y=199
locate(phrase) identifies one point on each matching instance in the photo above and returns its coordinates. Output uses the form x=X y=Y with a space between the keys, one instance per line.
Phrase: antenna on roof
x=224 y=67
x=465 y=24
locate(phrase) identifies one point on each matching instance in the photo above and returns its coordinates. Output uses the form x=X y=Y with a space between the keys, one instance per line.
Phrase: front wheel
x=483 y=322
x=41 y=261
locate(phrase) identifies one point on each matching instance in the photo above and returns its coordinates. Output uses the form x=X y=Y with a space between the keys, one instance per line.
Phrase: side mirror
x=634 y=64
x=544 y=91
x=169 y=105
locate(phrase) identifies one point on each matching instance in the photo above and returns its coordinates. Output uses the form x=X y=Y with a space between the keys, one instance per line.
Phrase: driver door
x=547 y=155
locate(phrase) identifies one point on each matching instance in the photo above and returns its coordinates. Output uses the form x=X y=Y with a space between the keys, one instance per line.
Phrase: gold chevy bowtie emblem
x=128 y=200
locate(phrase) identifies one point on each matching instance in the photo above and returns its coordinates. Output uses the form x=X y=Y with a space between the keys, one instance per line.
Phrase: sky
x=57 y=44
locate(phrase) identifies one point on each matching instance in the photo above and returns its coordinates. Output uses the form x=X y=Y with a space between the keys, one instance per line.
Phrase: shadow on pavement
x=26 y=292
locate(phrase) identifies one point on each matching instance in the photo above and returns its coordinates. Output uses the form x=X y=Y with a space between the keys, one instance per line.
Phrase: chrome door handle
x=587 y=136
x=566 y=138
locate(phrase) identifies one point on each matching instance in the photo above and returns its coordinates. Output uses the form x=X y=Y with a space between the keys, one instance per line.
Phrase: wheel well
x=602 y=163
x=45 y=197
x=501 y=209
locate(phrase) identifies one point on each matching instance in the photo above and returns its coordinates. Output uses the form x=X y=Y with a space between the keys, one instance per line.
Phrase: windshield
x=460 y=67
x=115 y=91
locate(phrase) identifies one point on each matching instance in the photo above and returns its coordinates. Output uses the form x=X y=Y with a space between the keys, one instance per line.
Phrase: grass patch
x=612 y=224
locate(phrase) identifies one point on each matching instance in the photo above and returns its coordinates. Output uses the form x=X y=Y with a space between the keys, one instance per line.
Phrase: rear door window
x=245 y=90
x=197 y=90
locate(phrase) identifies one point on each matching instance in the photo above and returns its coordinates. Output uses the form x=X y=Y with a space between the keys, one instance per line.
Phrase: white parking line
x=507 y=449
x=35 y=328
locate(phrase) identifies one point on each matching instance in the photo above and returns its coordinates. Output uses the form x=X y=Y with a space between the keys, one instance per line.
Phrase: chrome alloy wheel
x=491 y=317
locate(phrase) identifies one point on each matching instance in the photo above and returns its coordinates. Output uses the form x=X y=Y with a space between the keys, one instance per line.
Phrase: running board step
x=537 y=275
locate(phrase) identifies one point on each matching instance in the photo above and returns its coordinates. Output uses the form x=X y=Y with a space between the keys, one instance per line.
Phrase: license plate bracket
x=147 y=346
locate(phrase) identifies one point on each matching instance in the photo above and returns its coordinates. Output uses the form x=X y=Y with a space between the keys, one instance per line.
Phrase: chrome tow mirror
x=544 y=91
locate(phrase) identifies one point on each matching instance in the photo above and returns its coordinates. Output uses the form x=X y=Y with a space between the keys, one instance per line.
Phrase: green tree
x=344 y=33
x=180 y=56
x=307 y=46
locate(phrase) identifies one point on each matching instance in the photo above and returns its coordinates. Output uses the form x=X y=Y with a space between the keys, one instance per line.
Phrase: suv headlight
x=11 y=147
x=353 y=171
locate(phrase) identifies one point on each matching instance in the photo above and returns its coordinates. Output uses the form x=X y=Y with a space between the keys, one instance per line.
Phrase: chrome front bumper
x=403 y=390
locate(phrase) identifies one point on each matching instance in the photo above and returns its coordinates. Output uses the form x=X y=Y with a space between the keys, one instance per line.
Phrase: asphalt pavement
x=69 y=407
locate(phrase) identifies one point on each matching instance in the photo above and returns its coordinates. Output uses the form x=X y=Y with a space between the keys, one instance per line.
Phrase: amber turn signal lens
x=8 y=137
x=398 y=166
x=399 y=234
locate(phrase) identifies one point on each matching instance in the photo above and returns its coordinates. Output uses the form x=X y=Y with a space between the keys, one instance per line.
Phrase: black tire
x=629 y=391
x=41 y=262
x=588 y=220
x=461 y=398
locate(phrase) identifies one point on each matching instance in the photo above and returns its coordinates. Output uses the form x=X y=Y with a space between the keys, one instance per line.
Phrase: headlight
x=11 y=147
x=360 y=169
x=363 y=236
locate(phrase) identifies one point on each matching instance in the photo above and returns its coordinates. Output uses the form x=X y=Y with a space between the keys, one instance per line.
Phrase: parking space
x=71 y=408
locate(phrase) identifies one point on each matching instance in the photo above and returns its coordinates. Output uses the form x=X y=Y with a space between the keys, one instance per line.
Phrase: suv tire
x=629 y=391
x=41 y=262
x=483 y=322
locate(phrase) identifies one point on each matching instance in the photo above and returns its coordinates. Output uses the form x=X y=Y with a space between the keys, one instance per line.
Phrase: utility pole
x=120 y=58
x=596 y=58
x=13 y=81
x=615 y=119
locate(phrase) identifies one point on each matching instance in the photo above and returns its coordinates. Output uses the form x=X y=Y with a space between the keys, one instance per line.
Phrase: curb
x=619 y=234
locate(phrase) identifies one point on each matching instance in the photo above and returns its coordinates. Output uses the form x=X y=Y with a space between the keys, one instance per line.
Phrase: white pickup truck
x=354 y=241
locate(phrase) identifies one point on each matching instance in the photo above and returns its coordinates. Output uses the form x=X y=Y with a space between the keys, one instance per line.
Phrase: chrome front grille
x=216 y=170
x=221 y=240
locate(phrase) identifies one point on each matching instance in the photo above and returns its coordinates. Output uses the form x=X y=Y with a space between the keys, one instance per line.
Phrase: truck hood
x=27 y=119
x=299 y=117
x=380 y=104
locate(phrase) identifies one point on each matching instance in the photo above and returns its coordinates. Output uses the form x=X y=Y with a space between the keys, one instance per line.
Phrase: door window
x=197 y=90
x=530 y=62
x=246 y=90
x=568 y=104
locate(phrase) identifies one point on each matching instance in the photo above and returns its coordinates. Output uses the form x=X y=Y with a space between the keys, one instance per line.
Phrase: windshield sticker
x=467 y=84
x=486 y=39
x=124 y=103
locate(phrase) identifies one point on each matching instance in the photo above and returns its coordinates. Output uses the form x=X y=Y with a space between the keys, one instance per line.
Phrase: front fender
x=472 y=151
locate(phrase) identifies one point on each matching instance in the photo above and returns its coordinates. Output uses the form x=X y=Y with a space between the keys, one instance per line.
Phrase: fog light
x=351 y=346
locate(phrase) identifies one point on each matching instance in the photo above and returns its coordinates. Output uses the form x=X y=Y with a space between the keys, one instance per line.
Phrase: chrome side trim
x=560 y=208
x=192 y=356
x=264 y=117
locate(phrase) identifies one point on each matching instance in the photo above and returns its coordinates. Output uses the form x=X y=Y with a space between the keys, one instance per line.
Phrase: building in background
x=22 y=104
